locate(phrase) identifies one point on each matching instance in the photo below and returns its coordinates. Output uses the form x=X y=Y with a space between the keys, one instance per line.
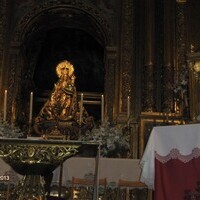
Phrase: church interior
x=133 y=65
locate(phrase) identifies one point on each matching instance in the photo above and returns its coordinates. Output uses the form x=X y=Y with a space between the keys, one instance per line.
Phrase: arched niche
x=76 y=46
x=40 y=22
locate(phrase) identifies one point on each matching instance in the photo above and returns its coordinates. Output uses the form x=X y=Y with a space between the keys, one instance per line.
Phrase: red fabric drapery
x=176 y=180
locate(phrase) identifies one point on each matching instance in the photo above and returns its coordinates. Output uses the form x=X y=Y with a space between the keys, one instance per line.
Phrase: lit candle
x=102 y=109
x=31 y=108
x=81 y=109
x=5 y=105
x=128 y=107
x=13 y=117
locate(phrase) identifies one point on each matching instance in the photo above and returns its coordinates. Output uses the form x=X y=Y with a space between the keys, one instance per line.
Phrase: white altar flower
x=181 y=85
x=9 y=131
x=114 y=143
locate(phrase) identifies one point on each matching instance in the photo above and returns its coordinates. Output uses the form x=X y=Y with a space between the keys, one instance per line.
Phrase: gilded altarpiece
x=164 y=105
x=161 y=57
x=28 y=25
x=114 y=26
x=26 y=28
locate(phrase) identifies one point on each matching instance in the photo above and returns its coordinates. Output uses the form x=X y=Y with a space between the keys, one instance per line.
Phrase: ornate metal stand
x=31 y=187
x=35 y=159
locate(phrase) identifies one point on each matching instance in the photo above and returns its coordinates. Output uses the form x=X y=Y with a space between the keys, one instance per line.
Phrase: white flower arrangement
x=181 y=86
x=114 y=142
x=9 y=131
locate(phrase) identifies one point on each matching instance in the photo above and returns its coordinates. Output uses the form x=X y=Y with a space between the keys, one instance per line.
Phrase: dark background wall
x=76 y=46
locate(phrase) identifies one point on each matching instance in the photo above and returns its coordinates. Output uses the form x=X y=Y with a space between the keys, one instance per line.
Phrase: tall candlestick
x=81 y=109
x=5 y=105
x=31 y=108
x=128 y=107
x=102 y=109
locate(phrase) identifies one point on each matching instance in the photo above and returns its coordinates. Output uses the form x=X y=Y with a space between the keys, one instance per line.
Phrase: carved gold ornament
x=32 y=158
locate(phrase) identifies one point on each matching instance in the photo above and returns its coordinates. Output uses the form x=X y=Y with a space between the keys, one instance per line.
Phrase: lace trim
x=148 y=182
x=175 y=154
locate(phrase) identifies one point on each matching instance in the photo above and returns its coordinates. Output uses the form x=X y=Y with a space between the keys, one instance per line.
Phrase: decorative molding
x=88 y=10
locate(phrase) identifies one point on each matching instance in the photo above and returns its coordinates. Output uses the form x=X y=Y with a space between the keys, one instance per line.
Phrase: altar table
x=112 y=169
x=171 y=162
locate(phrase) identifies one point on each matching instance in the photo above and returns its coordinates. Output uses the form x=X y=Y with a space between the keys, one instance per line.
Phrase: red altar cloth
x=171 y=162
x=176 y=180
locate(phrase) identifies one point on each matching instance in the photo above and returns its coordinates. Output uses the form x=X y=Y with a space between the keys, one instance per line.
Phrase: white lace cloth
x=169 y=142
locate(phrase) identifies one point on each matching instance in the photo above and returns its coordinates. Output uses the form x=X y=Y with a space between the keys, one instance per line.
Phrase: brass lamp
x=196 y=67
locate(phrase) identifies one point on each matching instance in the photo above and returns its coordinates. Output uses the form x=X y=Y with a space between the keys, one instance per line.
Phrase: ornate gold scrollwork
x=33 y=158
